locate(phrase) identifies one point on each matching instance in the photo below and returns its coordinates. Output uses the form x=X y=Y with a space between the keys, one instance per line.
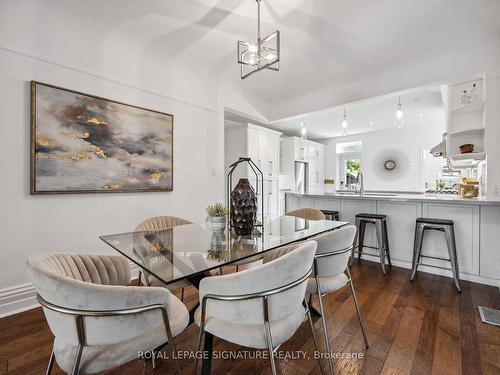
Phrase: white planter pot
x=218 y=222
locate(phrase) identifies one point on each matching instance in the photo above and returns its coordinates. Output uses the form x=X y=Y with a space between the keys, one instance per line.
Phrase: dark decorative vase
x=243 y=207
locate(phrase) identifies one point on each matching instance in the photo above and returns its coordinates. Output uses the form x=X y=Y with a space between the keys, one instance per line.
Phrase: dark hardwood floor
x=424 y=327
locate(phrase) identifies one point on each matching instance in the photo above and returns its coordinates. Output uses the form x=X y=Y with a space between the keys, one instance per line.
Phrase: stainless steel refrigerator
x=300 y=177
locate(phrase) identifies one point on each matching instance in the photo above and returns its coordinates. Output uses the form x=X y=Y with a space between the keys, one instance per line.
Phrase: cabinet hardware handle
x=270 y=167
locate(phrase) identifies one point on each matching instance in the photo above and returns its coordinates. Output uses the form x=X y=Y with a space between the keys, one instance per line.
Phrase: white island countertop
x=405 y=197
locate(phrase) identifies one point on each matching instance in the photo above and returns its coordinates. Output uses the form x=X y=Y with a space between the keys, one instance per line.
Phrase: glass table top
x=186 y=251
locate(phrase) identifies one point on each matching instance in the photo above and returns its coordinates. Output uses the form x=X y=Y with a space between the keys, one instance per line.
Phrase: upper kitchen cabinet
x=316 y=168
x=294 y=149
x=256 y=142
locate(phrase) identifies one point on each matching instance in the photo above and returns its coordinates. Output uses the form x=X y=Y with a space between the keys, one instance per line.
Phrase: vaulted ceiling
x=333 y=51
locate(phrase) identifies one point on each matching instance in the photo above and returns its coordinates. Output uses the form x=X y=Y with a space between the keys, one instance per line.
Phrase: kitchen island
x=477 y=227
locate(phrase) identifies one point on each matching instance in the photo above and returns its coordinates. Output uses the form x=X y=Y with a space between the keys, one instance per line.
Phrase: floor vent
x=489 y=316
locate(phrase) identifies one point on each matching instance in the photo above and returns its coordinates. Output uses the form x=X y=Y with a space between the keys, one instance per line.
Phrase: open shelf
x=469 y=156
x=470 y=108
x=477 y=130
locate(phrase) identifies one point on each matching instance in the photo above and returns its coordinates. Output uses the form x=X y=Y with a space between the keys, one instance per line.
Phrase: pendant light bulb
x=303 y=130
x=344 y=120
x=399 y=114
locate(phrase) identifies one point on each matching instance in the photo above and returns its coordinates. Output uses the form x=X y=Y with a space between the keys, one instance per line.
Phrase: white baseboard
x=438 y=271
x=19 y=298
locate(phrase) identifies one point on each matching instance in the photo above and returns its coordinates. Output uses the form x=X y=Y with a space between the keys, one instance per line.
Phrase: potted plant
x=217 y=213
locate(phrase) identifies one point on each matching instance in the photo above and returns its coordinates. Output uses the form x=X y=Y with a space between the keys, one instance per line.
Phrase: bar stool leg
x=417 y=248
x=386 y=242
x=452 y=251
x=380 y=243
x=361 y=239
x=354 y=243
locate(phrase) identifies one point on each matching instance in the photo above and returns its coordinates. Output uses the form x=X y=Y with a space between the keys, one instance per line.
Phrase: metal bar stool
x=447 y=227
x=382 y=238
x=331 y=215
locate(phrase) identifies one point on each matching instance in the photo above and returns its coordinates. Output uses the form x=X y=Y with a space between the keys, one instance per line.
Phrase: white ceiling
x=419 y=107
x=333 y=51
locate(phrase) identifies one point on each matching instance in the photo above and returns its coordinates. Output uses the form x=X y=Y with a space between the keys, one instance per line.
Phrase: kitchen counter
x=476 y=221
x=404 y=197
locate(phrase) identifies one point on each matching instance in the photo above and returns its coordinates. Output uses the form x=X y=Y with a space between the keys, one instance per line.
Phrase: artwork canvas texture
x=87 y=144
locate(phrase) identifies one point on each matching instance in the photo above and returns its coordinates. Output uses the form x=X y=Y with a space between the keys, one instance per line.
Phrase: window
x=350 y=165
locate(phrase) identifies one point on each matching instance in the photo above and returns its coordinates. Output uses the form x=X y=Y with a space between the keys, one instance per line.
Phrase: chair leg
x=358 y=312
x=182 y=295
x=139 y=278
x=208 y=345
x=174 y=350
x=198 y=349
x=386 y=242
x=380 y=243
x=452 y=251
x=311 y=325
x=270 y=346
x=417 y=248
x=76 y=365
x=51 y=363
x=325 y=329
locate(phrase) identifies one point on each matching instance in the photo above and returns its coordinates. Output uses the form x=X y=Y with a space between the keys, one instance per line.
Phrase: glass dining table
x=191 y=251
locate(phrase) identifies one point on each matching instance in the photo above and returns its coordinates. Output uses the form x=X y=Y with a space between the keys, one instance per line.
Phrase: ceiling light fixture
x=344 y=120
x=421 y=114
x=399 y=114
x=303 y=130
x=264 y=54
x=370 y=123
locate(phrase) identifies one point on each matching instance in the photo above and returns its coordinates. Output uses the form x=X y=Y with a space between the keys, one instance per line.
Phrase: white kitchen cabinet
x=272 y=200
x=291 y=203
x=316 y=167
x=262 y=145
x=326 y=204
x=300 y=147
x=401 y=219
x=313 y=154
x=466 y=219
x=490 y=252
x=476 y=230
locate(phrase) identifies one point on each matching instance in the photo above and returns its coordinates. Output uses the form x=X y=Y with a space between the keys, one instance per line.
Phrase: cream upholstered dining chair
x=152 y=224
x=98 y=321
x=307 y=214
x=331 y=273
x=261 y=307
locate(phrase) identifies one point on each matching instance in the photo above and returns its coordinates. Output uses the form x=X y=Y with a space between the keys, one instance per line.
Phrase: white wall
x=412 y=141
x=73 y=222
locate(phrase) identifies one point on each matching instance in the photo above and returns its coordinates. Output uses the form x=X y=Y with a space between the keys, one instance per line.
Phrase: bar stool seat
x=442 y=225
x=429 y=220
x=372 y=216
x=382 y=248
x=331 y=214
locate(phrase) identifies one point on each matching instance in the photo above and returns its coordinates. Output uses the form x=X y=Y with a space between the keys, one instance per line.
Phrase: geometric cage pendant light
x=264 y=54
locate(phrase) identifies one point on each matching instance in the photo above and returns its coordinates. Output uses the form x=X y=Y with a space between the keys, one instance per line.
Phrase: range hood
x=440 y=149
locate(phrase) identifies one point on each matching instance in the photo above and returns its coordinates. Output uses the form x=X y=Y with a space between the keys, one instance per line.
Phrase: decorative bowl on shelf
x=466 y=148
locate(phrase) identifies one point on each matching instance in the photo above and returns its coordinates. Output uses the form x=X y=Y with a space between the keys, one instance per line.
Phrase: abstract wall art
x=82 y=143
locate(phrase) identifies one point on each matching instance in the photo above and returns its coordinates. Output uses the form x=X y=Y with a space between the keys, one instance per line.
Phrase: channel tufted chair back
x=98 y=283
x=160 y=222
x=308 y=214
